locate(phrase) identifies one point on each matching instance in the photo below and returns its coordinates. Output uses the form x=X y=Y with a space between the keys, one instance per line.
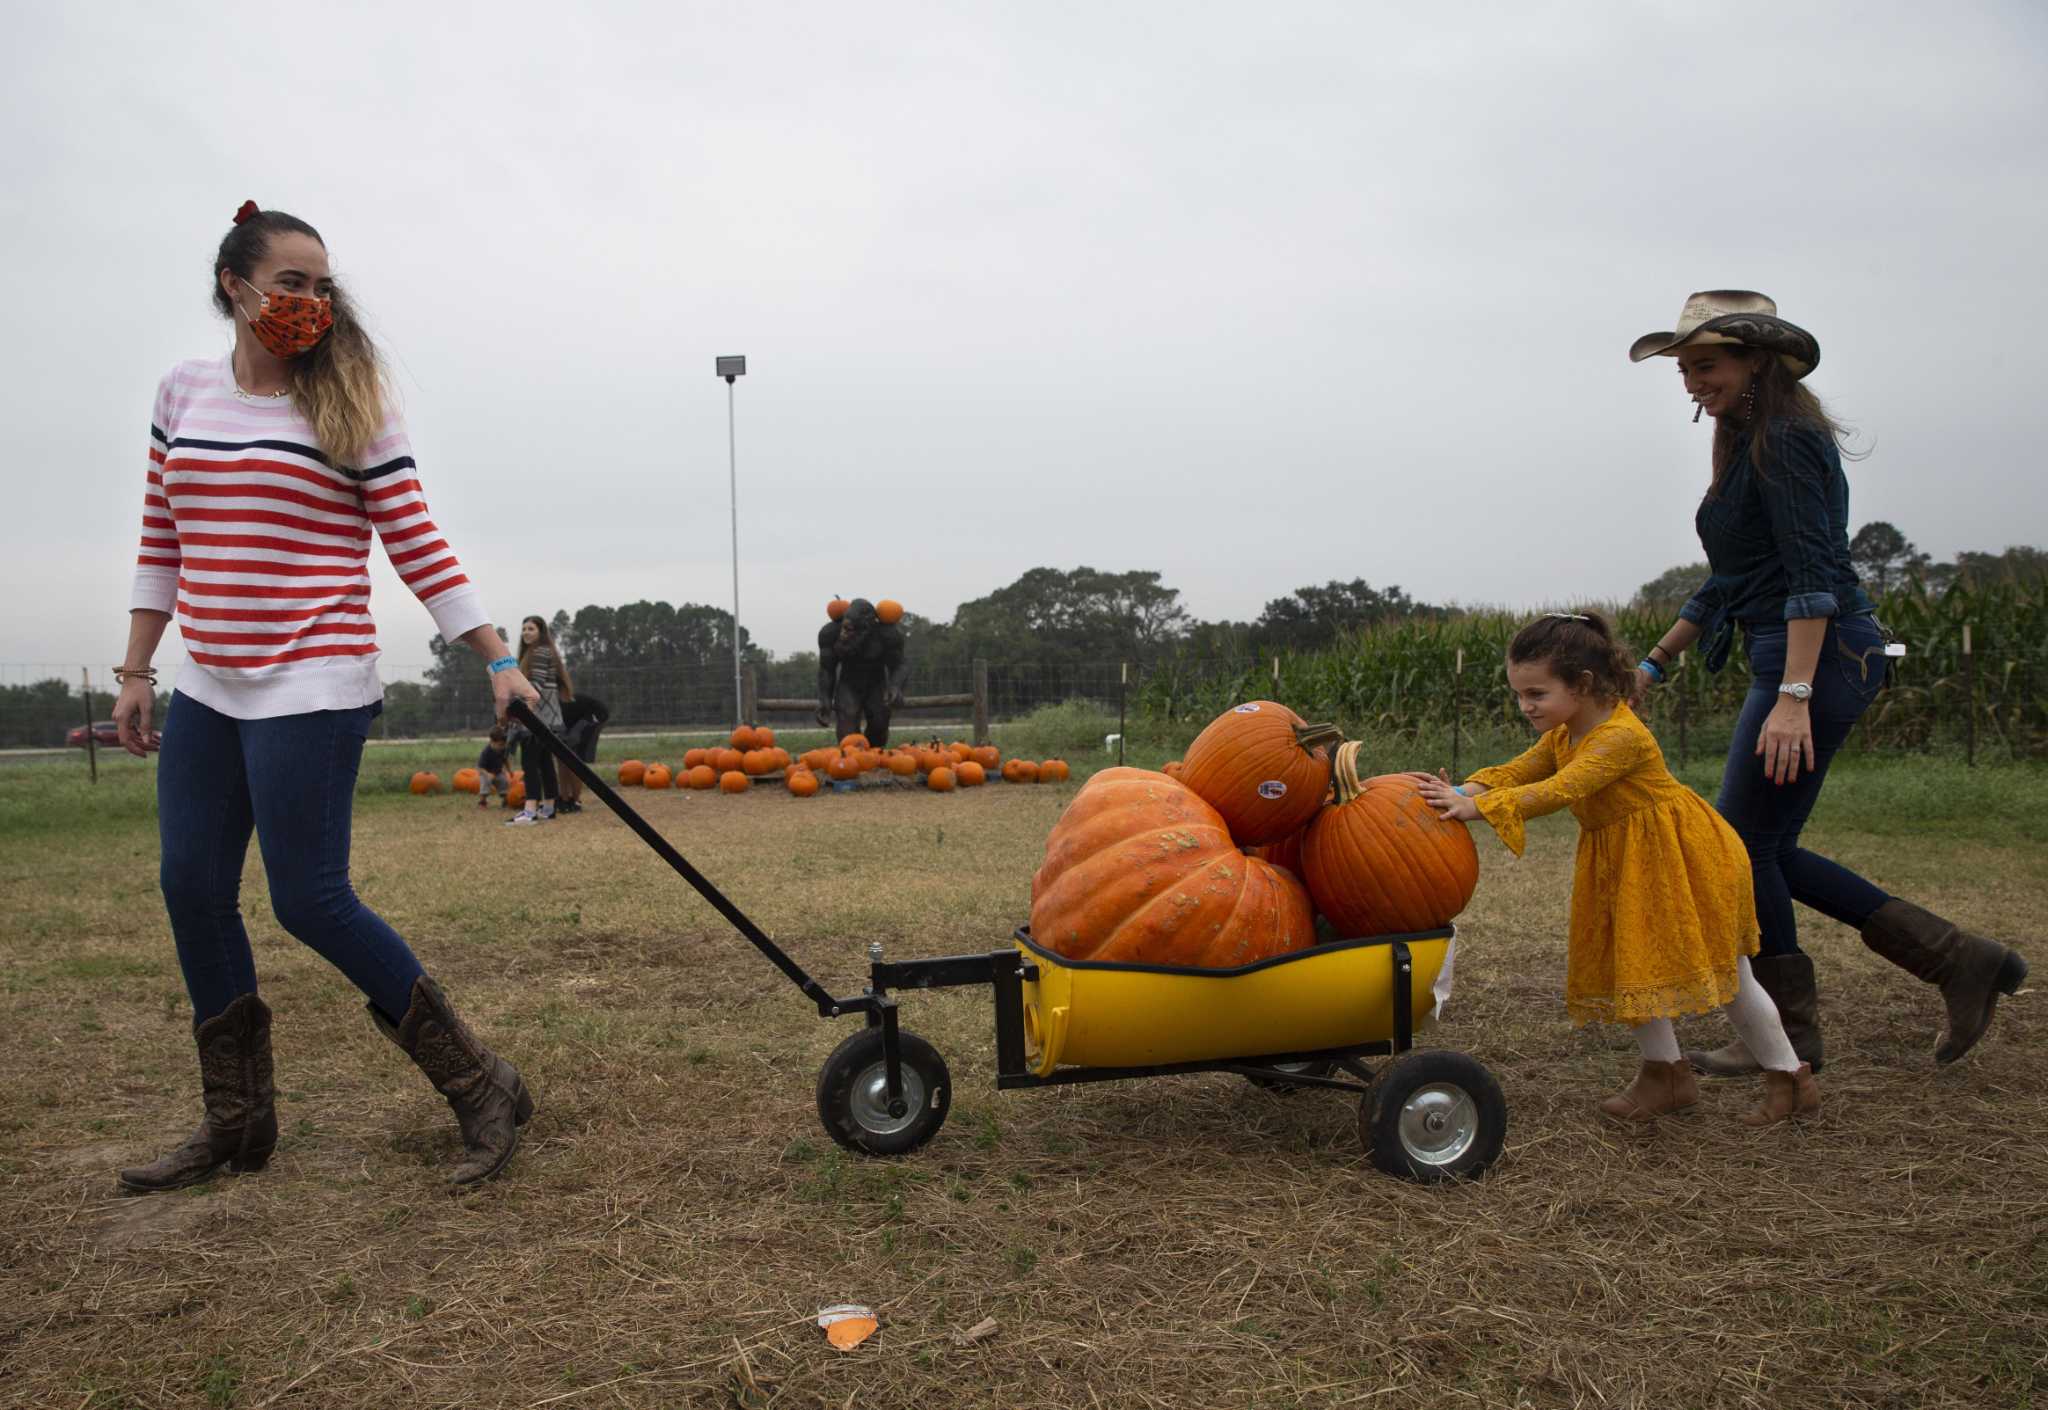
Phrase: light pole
x=732 y=369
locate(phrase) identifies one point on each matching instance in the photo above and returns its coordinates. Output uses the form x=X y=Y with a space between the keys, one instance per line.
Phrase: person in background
x=586 y=716
x=493 y=777
x=270 y=471
x=544 y=667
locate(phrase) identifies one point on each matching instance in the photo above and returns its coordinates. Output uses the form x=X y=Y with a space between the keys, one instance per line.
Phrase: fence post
x=92 y=748
x=980 y=700
x=1457 y=709
x=1123 y=682
x=750 y=691
x=1969 y=701
x=1684 y=741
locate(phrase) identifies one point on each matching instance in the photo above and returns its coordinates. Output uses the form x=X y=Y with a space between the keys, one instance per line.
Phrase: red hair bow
x=248 y=209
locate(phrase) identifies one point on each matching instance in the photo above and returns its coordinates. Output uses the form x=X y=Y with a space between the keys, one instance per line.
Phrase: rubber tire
x=1321 y=1067
x=1379 y=1115
x=854 y=1058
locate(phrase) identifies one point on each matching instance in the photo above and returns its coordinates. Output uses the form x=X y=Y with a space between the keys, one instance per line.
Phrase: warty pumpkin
x=1140 y=870
x=1381 y=862
x=1263 y=768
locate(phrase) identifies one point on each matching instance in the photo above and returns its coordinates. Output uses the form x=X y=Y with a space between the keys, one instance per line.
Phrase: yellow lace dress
x=1662 y=902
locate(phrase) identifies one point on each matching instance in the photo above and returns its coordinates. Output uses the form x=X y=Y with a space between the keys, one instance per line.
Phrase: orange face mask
x=290 y=324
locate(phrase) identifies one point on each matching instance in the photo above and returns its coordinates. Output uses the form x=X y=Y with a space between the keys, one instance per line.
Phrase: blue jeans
x=291 y=780
x=1768 y=816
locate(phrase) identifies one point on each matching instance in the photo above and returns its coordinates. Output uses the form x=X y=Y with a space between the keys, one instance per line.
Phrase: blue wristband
x=1656 y=671
x=504 y=663
x=1460 y=791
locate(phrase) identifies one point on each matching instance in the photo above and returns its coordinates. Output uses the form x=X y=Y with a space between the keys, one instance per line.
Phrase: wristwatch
x=1798 y=690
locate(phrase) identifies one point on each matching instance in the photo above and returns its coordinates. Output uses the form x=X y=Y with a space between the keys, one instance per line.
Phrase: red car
x=104 y=733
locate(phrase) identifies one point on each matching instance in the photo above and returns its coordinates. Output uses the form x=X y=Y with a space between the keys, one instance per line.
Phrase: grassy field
x=677 y=1216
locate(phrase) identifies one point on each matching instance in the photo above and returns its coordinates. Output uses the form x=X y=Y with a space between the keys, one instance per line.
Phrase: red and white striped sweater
x=261 y=547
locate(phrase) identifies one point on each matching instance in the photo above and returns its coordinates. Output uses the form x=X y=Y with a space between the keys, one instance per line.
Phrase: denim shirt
x=1778 y=542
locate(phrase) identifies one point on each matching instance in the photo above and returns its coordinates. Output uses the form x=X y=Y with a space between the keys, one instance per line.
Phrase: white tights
x=1755 y=1019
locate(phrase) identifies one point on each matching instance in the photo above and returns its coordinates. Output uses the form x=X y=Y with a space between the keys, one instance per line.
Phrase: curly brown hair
x=1574 y=645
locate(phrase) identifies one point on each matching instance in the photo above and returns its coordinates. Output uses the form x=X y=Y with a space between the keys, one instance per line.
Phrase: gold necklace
x=261 y=396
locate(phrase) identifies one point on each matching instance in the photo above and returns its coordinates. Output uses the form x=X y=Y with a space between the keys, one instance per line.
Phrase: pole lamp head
x=732 y=368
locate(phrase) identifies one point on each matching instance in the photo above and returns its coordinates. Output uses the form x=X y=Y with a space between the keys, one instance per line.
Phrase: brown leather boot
x=239 y=1129
x=1788 y=979
x=488 y=1096
x=1659 y=1089
x=1788 y=1096
x=1971 y=970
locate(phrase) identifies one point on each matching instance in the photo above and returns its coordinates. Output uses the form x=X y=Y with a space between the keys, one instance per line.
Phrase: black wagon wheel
x=1433 y=1116
x=853 y=1095
x=1279 y=1086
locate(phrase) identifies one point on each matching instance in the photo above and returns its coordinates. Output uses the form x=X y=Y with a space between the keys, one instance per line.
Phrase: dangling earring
x=1749 y=400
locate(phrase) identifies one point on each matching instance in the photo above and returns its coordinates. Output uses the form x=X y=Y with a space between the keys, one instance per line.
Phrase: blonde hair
x=339 y=384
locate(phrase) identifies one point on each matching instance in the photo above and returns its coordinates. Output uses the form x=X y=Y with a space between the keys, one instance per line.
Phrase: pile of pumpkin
x=1228 y=856
x=752 y=753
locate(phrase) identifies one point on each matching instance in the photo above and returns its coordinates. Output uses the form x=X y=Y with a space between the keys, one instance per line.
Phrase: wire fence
x=1990 y=699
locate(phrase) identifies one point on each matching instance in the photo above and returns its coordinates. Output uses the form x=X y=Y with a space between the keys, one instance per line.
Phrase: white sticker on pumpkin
x=1272 y=788
x=1251 y=709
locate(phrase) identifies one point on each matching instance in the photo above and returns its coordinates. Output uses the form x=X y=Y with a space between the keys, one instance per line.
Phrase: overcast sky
x=1256 y=296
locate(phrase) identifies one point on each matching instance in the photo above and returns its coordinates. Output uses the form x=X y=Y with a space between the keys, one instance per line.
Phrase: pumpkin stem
x=1345 y=768
x=1313 y=737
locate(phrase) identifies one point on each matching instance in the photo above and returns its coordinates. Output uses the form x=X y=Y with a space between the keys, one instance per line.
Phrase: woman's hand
x=1639 y=689
x=1785 y=740
x=1448 y=802
x=133 y=713
x=508 y=685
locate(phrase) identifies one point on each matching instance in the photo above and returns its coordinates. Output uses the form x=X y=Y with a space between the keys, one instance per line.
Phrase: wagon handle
x=827 y=1005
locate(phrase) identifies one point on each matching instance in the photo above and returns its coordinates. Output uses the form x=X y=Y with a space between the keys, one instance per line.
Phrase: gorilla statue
x=861 y=670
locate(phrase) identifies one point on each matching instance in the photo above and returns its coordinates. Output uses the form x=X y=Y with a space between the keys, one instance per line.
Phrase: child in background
x=1663 y=911
x=492 y=775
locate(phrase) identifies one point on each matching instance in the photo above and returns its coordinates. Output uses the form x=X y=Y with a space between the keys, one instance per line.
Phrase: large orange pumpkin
x=425 y=782
x=702 y=776
x=939 y=780
x=733 y=781
x=631 y=772
x=1140 y=870
x=889 y=610
x=1381 y=862
x=802 y=782
x=970 y=773
x=1262 y=767
x=656 y=776
x=466 y=781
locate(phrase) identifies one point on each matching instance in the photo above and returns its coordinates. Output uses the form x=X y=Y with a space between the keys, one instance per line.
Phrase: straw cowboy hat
x=1734 y=316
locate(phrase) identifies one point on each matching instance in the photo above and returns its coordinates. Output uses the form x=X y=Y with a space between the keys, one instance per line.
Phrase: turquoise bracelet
x=1656 y=671
x=504 y=663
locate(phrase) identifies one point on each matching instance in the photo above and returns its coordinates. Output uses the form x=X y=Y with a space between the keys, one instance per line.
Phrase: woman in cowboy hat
x=1775 y=526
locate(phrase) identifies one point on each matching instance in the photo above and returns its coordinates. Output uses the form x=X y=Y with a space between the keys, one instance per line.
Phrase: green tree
x=1312 y=617
x=1883 y=557
x=1668 y=591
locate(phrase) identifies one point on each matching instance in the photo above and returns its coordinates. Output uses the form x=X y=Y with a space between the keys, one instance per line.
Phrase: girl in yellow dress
x=1663 y=911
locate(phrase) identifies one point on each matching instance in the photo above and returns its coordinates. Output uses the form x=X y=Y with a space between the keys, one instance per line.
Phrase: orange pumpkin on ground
x=733 y=781
x=726 y=760
x=901 y=765
x=836 y=608
x=702 y=776
x=516 y=794
x=694 y=757
x=782 y=759
x=1011 y=773
x=1027 y=772
x=758 y=761
x=817 y=758
x=939 y=780
x=466 y=781
x=970 y=773
x=630 y=773
x=657 y=776
x=743 y=738
x=1054 y=771
x=425 y=782
x=960 y=750
x=841 y=767
x=802 y=782
x=764 y=737
x=854 y=741
x=1140 y=870
x=1381 y=862
x=889 y=610
x=986 y=755
x=1262 y=767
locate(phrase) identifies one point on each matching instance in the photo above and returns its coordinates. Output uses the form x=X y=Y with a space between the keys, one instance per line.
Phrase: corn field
x=1423 y=679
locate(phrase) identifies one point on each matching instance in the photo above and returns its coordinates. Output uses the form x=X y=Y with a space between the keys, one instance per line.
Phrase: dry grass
x=677 y=1215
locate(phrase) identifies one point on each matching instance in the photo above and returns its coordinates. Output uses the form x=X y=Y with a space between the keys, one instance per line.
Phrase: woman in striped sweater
x=270 y=469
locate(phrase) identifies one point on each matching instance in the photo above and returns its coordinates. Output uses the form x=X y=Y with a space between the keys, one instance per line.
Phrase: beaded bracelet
x=124 y=673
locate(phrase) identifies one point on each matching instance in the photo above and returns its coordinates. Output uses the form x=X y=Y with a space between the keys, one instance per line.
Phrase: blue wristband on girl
x=504 y=663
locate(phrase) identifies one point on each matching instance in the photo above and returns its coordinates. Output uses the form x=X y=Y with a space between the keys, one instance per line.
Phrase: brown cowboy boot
x=488 y=1096
x=239 y=1130
x=1788 y=979
x=1659 y=1089
x=1788 y=1096
x=1971 y=970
